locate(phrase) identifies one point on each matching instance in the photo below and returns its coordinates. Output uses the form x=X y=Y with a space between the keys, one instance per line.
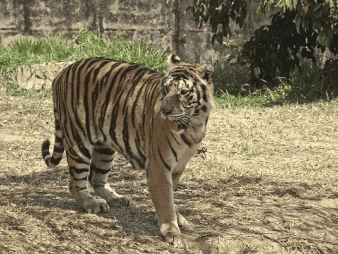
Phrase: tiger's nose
x=166 y=111
x=168 y=104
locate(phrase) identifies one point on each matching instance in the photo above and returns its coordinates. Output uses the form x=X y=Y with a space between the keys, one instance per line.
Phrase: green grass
x=87 y=44
x=256 y=99
x=57 y=48
x=230 y=77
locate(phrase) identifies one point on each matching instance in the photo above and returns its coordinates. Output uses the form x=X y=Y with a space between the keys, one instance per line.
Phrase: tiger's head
x=188 y=92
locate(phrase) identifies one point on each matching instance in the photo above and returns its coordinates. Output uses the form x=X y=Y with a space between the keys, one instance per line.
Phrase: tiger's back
x=111 y=106
x=156 y=121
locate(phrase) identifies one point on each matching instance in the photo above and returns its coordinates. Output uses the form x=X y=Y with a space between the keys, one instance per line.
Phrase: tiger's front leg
x=182 y=222
x=160 y=187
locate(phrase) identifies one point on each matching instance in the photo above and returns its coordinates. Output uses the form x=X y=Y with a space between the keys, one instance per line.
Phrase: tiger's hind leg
x=79 y=171
x=102 y=163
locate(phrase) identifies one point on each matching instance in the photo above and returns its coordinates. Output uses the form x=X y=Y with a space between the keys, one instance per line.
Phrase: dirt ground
x=278 y=195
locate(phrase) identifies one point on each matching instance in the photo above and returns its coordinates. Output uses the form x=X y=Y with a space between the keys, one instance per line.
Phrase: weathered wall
x=197 y=42
x=149 y=20
x=153 y=21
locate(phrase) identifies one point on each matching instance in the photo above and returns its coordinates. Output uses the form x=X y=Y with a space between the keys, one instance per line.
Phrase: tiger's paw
x=177 y=240
x=173 y=235
x=95 y=206
x=181 y=221
x=121 y=201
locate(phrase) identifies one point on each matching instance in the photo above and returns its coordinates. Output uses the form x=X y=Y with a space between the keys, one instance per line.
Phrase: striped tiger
x=156 y=121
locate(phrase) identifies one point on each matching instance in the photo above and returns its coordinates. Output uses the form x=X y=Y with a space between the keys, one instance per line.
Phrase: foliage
x=86 y=36
x=314 y=83
x=87 y=44
x=26 y=51
x=231 y=74
x=274 y=48
x=312 y=15
x=269 y=49
x=219 y=12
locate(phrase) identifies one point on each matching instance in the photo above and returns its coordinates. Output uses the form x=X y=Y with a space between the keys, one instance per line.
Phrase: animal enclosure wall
x=163 y=26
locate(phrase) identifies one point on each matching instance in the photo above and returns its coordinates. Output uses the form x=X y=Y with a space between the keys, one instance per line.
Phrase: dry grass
x=266 y=183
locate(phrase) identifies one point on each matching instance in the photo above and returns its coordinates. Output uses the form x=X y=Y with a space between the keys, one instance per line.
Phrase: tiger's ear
x=172 y=60
x=206 y=71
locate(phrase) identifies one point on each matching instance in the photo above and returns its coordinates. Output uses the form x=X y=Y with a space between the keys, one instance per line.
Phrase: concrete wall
x=162 y=26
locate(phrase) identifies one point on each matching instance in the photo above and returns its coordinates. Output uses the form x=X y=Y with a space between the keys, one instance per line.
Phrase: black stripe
x=132 y=162
x=99 y=170
x=140 y=91
x=138 y=76
x=65 y=130
x=198 y=95
x=151 y=81
x=45 y=150
x=125 y=135
x=73 y=170
x=164 y=163
x=79 y=143
x=110 y=160
x=80 y=170
x=107 y=101
x=204 y=93
x=153 y=92
x=72 y=154
x=140 y=151
x=112 y=133
x=57 y=125
x=184 y=138
x=58 y=139
x=131 y=87
x=77 y=87
x=99 y=185
x=55 y=161
x=106 y=151
x=86 y=102
x=77 y=67
x=58 y=149
x=45 y=145
x=97 y=90
x=174 y=138
x=172 y=149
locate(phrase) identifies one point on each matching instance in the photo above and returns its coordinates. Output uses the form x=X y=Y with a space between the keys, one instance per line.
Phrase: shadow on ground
x=234 y=215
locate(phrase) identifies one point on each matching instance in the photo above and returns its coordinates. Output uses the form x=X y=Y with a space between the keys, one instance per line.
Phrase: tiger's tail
x=54 y=159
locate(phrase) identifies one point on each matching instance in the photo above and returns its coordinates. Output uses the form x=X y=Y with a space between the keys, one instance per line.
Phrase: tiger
x=156 y=121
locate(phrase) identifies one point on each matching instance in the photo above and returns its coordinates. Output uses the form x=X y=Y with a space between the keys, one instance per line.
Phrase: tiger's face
x=188 y=92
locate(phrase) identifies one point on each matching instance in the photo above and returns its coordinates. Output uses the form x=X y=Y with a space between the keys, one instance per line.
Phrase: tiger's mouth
x=176 y=111
x=182 y=119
